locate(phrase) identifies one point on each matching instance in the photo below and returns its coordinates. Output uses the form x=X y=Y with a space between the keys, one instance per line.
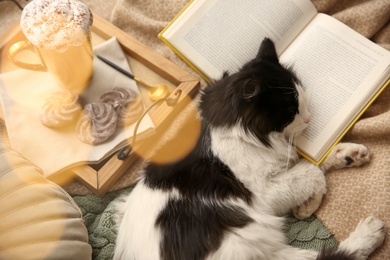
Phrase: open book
x=342 y=71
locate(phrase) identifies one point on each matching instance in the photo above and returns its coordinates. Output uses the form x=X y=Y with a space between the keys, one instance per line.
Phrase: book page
x=218 y=36
x=339 y=69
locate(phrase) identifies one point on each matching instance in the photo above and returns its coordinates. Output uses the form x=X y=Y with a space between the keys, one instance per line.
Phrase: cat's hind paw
x=347 y=155
x=368 y=235
x=308 y=207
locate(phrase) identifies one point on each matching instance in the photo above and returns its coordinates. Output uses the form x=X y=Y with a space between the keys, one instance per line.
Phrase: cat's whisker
x=276 y=87
x=290 y=146
x=309 y=94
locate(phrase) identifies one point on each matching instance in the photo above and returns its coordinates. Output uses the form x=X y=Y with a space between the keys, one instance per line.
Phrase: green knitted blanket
x=98 y=216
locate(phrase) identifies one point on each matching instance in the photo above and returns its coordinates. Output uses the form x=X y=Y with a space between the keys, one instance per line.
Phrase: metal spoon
x=156 y=92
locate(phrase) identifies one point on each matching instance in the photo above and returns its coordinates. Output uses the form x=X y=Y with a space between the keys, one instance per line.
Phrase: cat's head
x=263 y=97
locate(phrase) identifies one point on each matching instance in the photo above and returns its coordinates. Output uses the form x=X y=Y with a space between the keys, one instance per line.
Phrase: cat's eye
x=251 y=88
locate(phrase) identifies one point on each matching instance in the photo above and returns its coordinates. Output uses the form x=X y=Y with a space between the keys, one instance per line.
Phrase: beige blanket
x=356 y=193
x=353 y=193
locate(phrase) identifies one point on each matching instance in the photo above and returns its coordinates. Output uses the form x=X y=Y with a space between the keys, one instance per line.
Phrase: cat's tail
x=339 y=255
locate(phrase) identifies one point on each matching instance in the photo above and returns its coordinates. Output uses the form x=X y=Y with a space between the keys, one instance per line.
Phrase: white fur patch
x=137 y=236
x=249 y=159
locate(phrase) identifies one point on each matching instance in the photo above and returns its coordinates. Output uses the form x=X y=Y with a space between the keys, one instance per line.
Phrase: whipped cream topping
x=56 y=24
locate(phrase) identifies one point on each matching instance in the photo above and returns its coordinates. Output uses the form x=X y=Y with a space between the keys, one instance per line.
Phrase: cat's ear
x=267 y=51
x=251 y=88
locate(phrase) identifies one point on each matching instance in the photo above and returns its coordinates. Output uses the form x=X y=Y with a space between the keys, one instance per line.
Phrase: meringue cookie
x=97 y=124
x=126 y=102
x=60 y=109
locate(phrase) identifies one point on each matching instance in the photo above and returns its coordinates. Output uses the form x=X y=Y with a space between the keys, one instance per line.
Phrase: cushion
x=38 y=219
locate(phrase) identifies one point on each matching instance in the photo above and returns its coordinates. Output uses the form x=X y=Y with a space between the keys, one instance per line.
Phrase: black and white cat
x=227 y=198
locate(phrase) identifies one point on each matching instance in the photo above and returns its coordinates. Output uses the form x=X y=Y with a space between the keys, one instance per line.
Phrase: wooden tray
x=143 y=61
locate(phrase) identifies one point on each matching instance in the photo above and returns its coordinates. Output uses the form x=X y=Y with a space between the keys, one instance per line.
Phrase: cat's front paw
x=308 y=207
x=368 y=235
x=347 y=155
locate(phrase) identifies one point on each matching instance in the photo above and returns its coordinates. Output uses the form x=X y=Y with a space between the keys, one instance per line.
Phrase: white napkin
x=23 y=93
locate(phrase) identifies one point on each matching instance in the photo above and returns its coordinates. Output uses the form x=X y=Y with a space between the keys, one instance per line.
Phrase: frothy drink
x=59 y=30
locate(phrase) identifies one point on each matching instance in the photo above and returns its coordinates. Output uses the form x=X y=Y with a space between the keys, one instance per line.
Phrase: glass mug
x=58 y=32
x=73 y=68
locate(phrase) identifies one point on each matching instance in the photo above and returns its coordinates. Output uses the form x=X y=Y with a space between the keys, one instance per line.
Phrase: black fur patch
x=349 y=160
x=199 y=174
x=338 y=255
x=192 y=229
